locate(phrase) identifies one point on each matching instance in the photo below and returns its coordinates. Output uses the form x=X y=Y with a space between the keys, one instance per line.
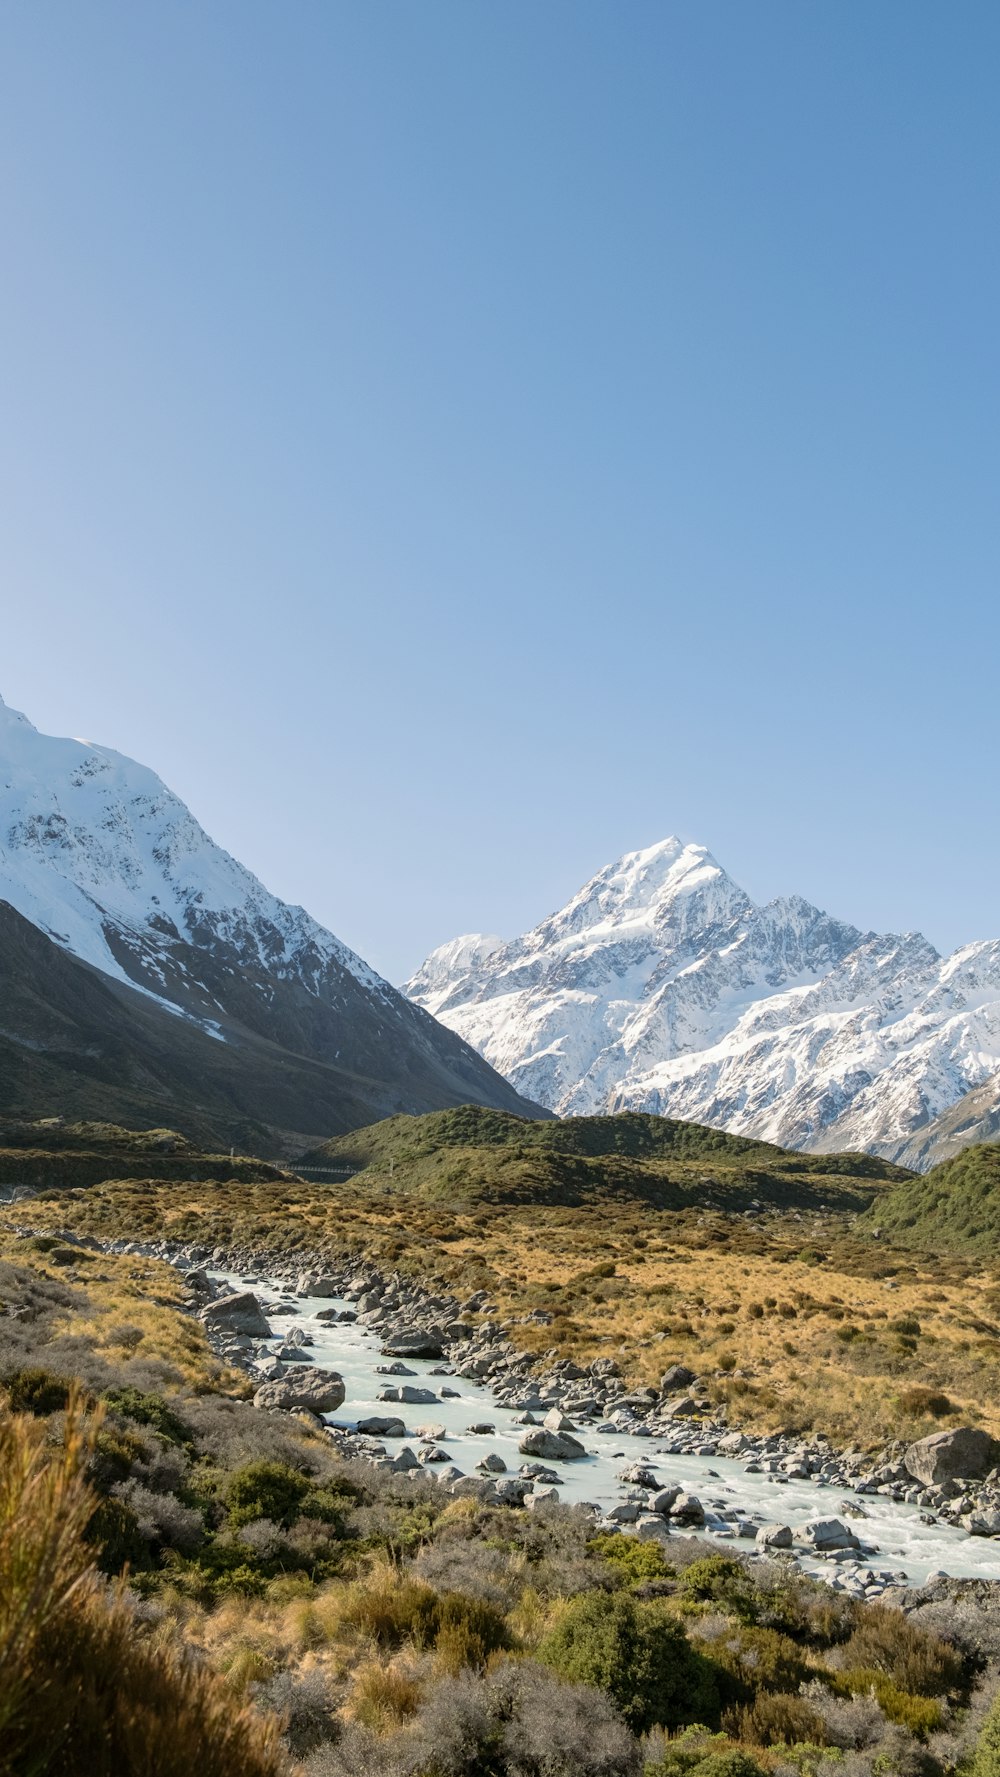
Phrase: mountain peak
x=662 y=987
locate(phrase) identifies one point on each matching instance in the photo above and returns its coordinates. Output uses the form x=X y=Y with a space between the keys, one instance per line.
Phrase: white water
x=905 y=1547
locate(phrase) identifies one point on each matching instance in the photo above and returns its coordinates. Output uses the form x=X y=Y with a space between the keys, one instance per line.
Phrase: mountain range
x=661 y=987
x=146 y=975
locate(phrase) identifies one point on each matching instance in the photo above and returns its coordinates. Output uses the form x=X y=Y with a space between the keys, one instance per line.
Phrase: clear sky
x=455 y=443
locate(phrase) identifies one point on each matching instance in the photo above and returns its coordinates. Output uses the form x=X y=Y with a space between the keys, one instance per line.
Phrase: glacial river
x=895 y=1542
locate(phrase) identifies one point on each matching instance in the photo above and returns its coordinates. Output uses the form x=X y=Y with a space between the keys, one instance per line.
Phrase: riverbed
x=897 y=1548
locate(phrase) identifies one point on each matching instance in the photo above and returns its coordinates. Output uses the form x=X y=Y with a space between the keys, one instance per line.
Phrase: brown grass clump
x=83 y=1690
x=382 y=1697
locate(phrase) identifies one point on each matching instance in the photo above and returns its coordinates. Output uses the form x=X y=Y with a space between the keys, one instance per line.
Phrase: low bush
x=986 y=1762
x=724 y=1581
x=755 y=1659
x=639 y=1654
x=914 y=1660
x=36 y=1391
x=151 y=1410
x=919 y=1715
x=265 y=1490
x=919 y=1401
x=776 y=1718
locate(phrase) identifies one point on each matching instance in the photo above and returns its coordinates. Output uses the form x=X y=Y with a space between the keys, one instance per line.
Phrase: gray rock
x=675 y=1379
x=320 y=1391
x=663 y=1499
x=556 y=1420
x=552 y=1446
x=412 y=1343
x=688 y=1509
x=377 y=1427
x=493 y=1464
x=774 y=1536
x=827 y=1535
x=649 y=1527
x=239 y=1313
x=316 y=1284
x=408 y=1394
x=963 y=1454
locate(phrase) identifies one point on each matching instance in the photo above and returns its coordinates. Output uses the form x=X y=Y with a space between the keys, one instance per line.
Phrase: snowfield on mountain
x=662 y=987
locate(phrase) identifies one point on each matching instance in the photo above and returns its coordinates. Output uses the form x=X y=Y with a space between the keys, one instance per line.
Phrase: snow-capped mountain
x=661 y=987
x=99 y=856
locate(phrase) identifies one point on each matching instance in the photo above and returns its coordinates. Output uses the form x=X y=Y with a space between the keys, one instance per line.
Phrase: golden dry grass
x=794 y=1318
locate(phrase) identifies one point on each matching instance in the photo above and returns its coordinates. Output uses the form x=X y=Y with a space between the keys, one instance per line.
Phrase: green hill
x=953 y=1208
x=471 y=1153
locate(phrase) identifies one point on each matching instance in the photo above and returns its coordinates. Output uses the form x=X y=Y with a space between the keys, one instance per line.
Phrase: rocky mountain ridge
x=662 y=987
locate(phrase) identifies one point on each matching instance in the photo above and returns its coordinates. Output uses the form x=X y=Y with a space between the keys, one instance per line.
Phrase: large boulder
x=239 y=1313
x=553 y=1446
x=313 y=1284
x=408 y=1393
x=410 y=1342
x=827 y=1535
x=377 y=1427
x=321 y=1391
x=774 y=1536
x=961 y=1455
x=675 y=1379
x=688 y=1509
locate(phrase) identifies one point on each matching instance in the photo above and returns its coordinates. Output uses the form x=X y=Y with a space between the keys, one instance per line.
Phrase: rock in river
x=321 y=1391
x=554 y=1446
x=240 y=1313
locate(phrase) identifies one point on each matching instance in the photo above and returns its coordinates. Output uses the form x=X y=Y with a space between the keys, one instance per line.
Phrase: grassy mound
x=471 y=1154
x=953 y=1208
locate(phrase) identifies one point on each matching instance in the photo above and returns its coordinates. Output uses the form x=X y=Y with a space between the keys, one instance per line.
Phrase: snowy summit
x=662 y=987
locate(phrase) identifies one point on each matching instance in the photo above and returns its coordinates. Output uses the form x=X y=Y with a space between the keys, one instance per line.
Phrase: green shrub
x=36 y=1391
x=113 y=1532
x=265 y=1490
x=635 y=1563
x=151 y=1410
x=919 y=1715
x=468 y=1631
x=914 y=1660
x=987 y=1759
x=697 y=1753
x=639 y=1654
x=756 y=1659
x=724 y=1581
x=774 y=1718
x=919 y=1400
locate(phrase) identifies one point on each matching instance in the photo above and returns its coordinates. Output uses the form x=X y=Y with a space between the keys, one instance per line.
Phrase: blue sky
x=457 y=443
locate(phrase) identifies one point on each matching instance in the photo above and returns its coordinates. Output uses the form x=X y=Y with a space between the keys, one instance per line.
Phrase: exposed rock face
x=320 y=1391
x=963 y=1454
x=554 y=1446
x=240 y=1313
